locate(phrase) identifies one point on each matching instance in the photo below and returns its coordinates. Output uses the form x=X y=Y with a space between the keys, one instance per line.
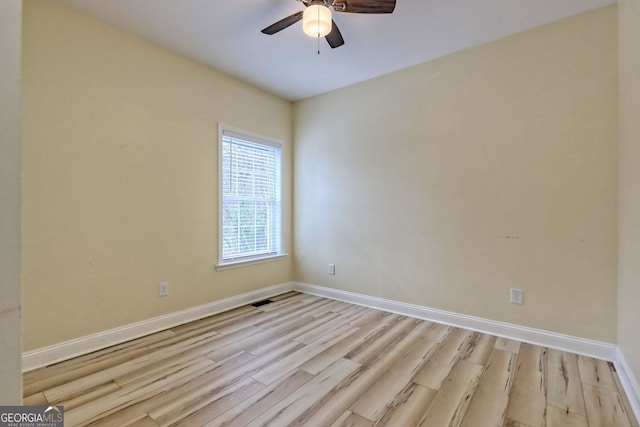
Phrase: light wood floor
x=309 y=361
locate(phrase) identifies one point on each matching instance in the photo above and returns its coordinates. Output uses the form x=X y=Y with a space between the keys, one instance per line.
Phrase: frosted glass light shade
x=316 y=20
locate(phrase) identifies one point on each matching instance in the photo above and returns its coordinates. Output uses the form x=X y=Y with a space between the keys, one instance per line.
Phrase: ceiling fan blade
x=334 y=38
x=365 y=6
x=283 y=23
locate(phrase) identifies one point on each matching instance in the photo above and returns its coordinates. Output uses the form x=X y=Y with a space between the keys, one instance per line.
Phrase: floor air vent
x=263 y=302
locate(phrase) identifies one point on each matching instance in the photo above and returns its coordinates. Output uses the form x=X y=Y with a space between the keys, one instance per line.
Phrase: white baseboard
x=597 y=349
x=629 y=382
x=79 y=346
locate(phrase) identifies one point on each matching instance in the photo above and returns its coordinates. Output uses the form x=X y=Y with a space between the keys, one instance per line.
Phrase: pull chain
x=318 y=9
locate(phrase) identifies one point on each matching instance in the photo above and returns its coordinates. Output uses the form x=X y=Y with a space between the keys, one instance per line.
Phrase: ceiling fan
x=317 y=21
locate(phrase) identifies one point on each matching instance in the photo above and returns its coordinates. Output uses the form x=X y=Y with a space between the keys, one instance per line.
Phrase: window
x=250 y=205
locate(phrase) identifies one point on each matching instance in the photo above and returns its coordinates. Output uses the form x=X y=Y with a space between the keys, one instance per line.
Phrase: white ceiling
x=225 y=34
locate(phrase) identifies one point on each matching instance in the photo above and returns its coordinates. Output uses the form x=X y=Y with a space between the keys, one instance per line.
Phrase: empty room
x=320 y=212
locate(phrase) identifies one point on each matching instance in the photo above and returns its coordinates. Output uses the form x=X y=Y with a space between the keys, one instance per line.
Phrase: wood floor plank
x=437 y=332
x=183 y=364
x=128 y=396
x=282 y=298
x=206 y=322
x=387 y=337
x=332 y=406
x=293 y=312
x=320 y=309
x=72 y=388
x=625 y=400
x=351 y=310
x=390 y=318
x=400 y=337
x=96 y=357
x=340 y=306
x=258 y=403
x=284 y=334
x=564 y=388
x=154 y=368
x=138 y=410
x=489 y=401
x=335 y=336
x=560 y=418
x=417 y=330
x=479 y=348
x=328 y=328
x=286 y=295
x=375 y=401
x=287 y=410
x=408 y=407
x=37 y=399
x=372 y=405
x=201 y=406
x=349 y=419
x=284 y=366
x=412 y=361
x=145 y=422
x=450 y=404
x=52 y=380
x=513 y=423
x=443 y=359
x=368 y=317
x=605 y=408
x=254 y=366
x=230 y=346
x=194 y=347
x=507 y=345
x=341 y=348
x=181 y=338
x=286 y=303
x=86 y=396
x=172 y=346
x=245 y=321
x=290 y=306
x=354 y=315
x=375 y=340
x=311 y=298
x=528 y=397
x=596 y=372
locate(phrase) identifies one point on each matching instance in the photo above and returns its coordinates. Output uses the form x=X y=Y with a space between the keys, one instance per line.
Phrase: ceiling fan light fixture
x=316 y=20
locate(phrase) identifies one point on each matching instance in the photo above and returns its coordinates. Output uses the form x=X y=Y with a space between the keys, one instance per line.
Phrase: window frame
x=253 y=138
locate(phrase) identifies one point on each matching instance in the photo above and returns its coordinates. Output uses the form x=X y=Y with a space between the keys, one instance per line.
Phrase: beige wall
x=629 y=185
x=447 y=183
x=120 y=177
x=10 y=354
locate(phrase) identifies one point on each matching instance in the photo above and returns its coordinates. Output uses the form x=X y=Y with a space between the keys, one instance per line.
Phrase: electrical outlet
x=332 y=269
x=517 y=296
x=163 y=290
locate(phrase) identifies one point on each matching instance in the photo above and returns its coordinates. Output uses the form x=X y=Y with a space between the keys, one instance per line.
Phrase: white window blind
x=251 y=205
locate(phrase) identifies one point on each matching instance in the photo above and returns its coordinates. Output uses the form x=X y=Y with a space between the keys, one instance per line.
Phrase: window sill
x=244 y=263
